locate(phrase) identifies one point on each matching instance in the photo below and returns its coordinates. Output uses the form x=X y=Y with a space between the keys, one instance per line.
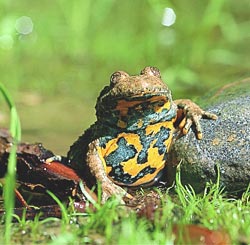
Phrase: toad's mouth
x=139 y=95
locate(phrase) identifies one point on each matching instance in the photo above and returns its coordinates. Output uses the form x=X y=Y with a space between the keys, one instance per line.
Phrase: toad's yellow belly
x=134 y=159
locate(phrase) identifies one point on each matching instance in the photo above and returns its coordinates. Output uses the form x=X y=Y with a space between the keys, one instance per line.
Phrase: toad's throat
x=133 y=115
x=139 y=95
x=154 y=104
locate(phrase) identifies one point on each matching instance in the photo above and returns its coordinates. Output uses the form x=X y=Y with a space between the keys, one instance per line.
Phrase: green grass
x=114 y=224
x=10 y=177
x=72 y=51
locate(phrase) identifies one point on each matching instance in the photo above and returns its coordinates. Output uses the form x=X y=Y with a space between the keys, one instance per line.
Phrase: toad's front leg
x=189 y=114
x=96 y=164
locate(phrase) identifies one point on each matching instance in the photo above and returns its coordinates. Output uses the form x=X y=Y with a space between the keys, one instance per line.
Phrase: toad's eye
x=117 y=76
x=151 y=71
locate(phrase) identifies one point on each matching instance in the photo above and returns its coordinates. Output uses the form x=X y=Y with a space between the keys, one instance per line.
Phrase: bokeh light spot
x=24 y=25
x=169 y=17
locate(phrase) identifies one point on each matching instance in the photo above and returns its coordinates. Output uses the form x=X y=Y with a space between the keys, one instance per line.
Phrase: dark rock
x=225 y=145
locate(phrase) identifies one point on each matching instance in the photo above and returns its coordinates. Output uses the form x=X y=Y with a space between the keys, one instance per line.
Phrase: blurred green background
x=55 y=56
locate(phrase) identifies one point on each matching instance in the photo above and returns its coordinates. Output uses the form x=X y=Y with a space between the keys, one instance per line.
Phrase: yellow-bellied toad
x=136 y=121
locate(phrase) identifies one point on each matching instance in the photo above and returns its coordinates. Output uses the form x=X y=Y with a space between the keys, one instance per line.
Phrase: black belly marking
x=123 y=153
x=126 y=179
x=162 y=136
x=145 y=141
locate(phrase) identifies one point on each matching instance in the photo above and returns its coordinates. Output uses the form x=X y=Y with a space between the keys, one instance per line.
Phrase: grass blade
x=10 y=178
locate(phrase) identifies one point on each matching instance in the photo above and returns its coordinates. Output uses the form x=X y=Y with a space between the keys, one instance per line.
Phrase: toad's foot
x=111 y=189
x=192 y=115
x=94 y=161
